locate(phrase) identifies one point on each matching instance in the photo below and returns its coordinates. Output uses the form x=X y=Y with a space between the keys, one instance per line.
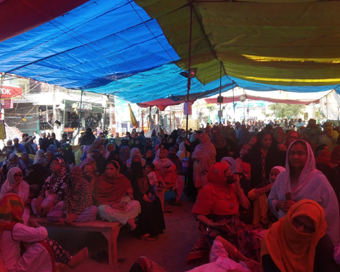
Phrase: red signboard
x=9 y=91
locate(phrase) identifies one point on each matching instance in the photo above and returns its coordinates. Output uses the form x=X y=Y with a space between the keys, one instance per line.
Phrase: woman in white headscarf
x=204 y=156
x=40 y=158
x=135 y=152
x=300 y=181
x=15 y=184
x=181 y=151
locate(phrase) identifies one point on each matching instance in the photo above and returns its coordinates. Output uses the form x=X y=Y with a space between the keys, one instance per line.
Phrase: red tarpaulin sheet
x=19 y=16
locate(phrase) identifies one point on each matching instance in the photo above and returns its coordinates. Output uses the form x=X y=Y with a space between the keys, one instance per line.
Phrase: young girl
x=259 y=197
x=150 y=171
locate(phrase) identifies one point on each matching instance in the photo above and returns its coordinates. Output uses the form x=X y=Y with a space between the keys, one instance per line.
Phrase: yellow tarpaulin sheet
x=294 y=43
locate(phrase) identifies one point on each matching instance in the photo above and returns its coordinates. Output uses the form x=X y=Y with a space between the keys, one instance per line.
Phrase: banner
x=10 y=92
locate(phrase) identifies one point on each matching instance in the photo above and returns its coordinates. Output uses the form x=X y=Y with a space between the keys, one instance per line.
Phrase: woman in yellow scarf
x=297 y=242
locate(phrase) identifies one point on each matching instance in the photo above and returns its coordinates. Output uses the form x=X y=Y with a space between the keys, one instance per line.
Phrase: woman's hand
x=253 y=265
x=146 y=198
x=285 y=205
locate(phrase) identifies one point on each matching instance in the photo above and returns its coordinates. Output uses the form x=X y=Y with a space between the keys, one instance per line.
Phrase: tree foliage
x=286 y=110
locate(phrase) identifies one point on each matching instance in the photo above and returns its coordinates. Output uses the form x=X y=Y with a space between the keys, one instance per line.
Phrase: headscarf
x=216 y=173
x=39 y=157
x=139 y=175
x=280 y=168
x=279 y=134
x=53 y=182
x=231 y=162
x=78 y=193
x=288 y=135
x=111 y=190
x=11 y=157
x=181 y=151
x=290 y=249
x=205 y=154
x=11 y=211
x=308 y=170
x=78 y=154
x=135 y=152
x=10 y=174
x=87 y=161
x=162 y=163
x=217 y=197
x=124 y=154
x=217 y=138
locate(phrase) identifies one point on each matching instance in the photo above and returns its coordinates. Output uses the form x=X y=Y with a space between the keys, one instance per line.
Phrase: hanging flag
x=134 y=122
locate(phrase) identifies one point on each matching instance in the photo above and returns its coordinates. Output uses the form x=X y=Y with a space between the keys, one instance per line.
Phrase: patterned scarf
x=217 y=138
x=54 y=182
x=77 y=194
x=11 y=211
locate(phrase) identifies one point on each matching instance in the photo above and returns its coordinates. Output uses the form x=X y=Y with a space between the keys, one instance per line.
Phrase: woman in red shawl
x=217 y=207
x=113 y=196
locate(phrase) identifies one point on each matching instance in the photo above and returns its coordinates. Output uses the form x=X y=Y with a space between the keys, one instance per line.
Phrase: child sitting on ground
x=259 y=197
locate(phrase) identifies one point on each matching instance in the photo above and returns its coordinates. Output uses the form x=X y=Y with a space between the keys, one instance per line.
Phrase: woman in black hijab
x=151 y=220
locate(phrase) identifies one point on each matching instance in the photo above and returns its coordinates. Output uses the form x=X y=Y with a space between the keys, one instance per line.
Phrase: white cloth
x=312 y=185
x=220 y=261
x=181 y=152
x=23 y=190
x=35 y=259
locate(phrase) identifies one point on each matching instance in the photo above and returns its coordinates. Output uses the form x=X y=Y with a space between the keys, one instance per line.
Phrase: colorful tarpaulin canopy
x=115 y=47
x=292 y=43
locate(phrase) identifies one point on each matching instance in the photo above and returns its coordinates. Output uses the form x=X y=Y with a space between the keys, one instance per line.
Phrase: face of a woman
x=297 y=155
x=55 y=166
x=136 y=159
x=273 y=174
x=111 y=148
x=148 y=154
x=17 y=178
x=304 y=224
x=292 y=137
x=162 y=154
x=111 y=171
x=267 y=141
x=49 y=155
x=204 y=138
x=94 y=166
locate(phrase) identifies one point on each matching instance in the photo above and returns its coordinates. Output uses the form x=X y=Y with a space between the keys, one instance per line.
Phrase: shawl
x=231 y=162
x=161 y=163
x=205 y=154
x=111 y=190
x=39 y=157
x=217 y=138
x=312 y=185
x=86 y=161
x=135 y=152
x=78 y=195
x=11 y=211
x=335 y=155
x=181 y=151
x=140 y=176
x=290 y=249
x=78 y=154
x=54 y=182
x=23 y=190
x=217 y=197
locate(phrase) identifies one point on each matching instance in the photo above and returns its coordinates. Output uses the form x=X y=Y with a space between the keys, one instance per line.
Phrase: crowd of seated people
x=258 y=192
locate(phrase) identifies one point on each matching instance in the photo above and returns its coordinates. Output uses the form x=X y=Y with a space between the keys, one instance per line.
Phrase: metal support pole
x=220 y=92
x=189 y=66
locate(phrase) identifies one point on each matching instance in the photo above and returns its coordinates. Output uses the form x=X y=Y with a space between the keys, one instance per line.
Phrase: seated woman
x=259 y=197
x=89 y=175
x=113 y=196
x=217 y=208
x=53 y=190
x=151 y=220
x=13 y=161
x=77 y=205
x=26 y=160
x=135 y=152
x=40 y=158
x=165 y=171
x=297 y=242
x=36 y=179
x=42 y=253
x=15 y=184
x=300 y=181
